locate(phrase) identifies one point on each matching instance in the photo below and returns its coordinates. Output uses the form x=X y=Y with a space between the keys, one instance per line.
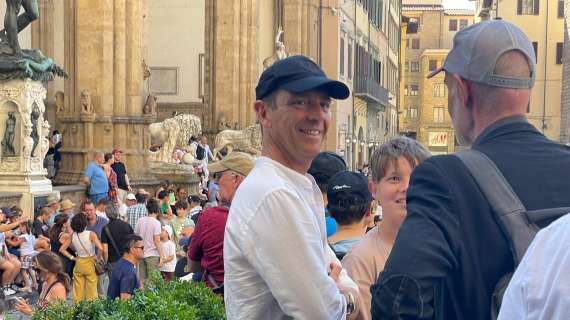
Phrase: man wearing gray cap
x=451 y=251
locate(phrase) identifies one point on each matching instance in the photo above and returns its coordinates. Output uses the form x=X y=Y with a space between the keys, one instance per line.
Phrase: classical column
x=300 y=23
x=231 y=62
x=103 y=106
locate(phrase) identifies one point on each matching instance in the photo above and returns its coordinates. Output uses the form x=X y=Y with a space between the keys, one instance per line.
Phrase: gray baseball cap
x=477 y=48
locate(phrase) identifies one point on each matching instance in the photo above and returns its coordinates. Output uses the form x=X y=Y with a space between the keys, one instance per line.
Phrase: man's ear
x=262 y=111
x=464 y=89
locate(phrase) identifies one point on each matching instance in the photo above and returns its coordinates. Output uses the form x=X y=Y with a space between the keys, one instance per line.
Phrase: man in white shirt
x=540 y=287
x=276 y=258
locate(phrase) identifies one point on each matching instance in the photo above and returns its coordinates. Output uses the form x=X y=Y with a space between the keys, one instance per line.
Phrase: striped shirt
x=135 y=212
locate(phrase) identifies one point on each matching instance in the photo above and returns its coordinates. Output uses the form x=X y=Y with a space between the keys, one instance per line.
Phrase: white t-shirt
x=168 y=249
x=101 y=214
x=27 y=247
x=540 y=287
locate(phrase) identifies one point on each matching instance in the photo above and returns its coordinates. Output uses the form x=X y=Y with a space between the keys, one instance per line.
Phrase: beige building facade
x=543 y=22
x=429 y=37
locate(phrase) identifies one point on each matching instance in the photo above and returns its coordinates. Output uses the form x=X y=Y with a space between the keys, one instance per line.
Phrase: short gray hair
x=112 y=211
x=389 y=153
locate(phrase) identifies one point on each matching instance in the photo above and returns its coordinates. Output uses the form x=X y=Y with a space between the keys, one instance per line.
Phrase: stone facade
x=565 y=99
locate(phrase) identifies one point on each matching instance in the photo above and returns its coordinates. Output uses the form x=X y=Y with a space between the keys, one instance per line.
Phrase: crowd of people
x=295 y=234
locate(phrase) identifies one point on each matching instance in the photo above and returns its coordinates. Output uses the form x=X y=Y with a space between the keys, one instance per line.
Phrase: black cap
x=348 y=188
x=325 y=165
x=298 y=74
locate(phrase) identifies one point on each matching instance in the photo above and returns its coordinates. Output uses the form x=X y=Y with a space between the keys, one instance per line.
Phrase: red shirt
x=207 y=245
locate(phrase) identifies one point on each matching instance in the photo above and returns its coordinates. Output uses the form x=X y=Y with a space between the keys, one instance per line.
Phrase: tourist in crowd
x=53 y=203
x=164 y=198
x=111 y=177
x=275 y=240
x=350 y=204
x=149 y=229
x=114 y=236
x=182 y=226
x=123 y=182
x=100 y=208
x=67 y=207
x=40 y=226
x=58 y=234
x=169 y=252
x=213 y=189
x=95 y=178
x=95 y=224
x=203 y=143
x=137 y=211
x=181 y=194
x=325 y=165
x=56 y=283
x=391 y=167
x=124 y=280
x=162 y=187
x=9 y=264
x=194 y=205
x=84 y=243
x=27 y=243
x=451 y=249
x=207 y=245
x=130 y=200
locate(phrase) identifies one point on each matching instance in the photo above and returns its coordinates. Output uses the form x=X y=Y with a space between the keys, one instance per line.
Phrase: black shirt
x=121 y=171
x=40 y=228
x=119 y=230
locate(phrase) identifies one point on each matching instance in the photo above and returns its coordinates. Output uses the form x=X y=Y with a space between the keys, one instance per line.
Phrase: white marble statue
x=246 y=140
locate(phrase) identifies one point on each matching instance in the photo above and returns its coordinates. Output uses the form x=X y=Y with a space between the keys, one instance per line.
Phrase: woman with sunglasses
x=56 y=283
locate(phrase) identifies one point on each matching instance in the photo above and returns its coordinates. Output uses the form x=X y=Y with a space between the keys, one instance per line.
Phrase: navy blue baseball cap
x=298 y=74
x=348 y=188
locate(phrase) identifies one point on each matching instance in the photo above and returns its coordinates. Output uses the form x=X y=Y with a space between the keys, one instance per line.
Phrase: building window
x=535 y=46
x=341 y=69
x=412 y=113
x=415 y=43
x=439 y=90
x=432 y=65
x=350 y=59
x=561 y=9
x=559 y=49
x=463 y=24
x=414 y=66
x=452 y=25
x=438 y=114
x=413 y=90
x=528 y=7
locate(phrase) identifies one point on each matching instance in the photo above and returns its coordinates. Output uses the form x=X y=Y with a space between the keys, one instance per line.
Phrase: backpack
x=519 y=225
x=200 y=152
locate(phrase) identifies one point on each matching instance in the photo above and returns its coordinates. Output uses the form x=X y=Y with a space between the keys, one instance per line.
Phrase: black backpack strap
x=502 y=199
x=106 y=229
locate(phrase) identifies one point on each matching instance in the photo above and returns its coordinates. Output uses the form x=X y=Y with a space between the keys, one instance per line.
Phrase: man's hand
x=160 y=261
x=335 y=271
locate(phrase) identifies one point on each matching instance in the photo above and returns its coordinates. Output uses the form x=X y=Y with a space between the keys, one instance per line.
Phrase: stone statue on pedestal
x=280 y=52
x=16 y=63
x=35 y=134
x=8 y=141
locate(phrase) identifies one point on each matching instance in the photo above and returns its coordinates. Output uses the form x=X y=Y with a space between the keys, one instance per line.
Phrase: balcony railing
x=368 y=89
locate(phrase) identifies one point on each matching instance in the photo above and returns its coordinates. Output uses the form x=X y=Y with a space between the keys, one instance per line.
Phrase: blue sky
x=455 y=4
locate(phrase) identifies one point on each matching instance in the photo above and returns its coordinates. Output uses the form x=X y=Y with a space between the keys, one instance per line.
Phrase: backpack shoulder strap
x=507 y=206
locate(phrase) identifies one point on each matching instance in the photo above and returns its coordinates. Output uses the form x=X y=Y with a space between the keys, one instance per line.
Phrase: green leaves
x=160 y=300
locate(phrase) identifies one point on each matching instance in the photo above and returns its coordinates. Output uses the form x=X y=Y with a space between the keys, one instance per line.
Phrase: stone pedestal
x=21 y=156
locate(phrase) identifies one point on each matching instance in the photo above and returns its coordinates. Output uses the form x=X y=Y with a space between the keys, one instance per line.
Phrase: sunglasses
x=141 y=247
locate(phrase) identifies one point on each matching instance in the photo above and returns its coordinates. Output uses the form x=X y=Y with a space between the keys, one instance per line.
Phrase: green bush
x=160 y=300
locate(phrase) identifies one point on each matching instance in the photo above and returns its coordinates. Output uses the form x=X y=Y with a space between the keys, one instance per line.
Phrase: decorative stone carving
x=246 y=140
x=146 y=70
x=35 y=132
x=222 y=123
x=280 y=52
x=28 y=143
x=9 y=133
x=171 y=133
x=45 y=138
x=86 y=106
x=59 y=101
x=150 y=104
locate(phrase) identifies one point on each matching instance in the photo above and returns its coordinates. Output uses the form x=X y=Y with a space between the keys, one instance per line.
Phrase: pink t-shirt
x=148 y=227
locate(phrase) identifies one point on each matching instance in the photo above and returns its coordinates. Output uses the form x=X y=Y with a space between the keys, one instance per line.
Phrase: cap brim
x=335 y=89
x=216 y=167
x=435 y=72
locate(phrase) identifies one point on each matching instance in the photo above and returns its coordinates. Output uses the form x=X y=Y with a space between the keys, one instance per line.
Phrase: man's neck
x=347 y=232
x=273 y=154
x=93 y=221
x=129 y=257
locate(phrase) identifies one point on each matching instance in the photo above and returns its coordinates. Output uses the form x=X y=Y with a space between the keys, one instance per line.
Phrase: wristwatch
x=350 y=304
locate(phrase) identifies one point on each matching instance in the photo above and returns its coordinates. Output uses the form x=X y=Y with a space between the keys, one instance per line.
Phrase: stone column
x=300 y=23
x=231 y=62
x=103 y=106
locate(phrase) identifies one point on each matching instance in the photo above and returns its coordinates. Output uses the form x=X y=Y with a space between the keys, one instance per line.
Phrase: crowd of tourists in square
x=480 y=234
